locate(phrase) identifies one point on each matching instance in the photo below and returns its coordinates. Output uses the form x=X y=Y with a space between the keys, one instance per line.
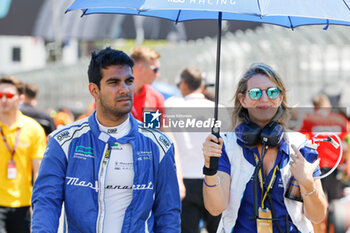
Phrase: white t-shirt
x=189 y=144
x=119 y=179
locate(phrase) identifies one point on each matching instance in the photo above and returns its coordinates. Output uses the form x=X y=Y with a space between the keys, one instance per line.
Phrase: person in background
x=63 y=117
x=22 y=145
x=146 y=70
x=324 y=120
x=256 y=162
x=207 y=89
x=29 y=108
x=189 y=149
x=112 y=174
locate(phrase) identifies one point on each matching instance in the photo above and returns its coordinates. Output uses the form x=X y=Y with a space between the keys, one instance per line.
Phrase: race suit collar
x=105 y=137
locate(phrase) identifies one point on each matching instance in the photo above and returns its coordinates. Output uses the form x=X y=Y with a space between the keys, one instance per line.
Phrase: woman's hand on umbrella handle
x=211 y=148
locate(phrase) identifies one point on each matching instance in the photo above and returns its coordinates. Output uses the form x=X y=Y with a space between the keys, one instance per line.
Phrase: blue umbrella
x=285 y=13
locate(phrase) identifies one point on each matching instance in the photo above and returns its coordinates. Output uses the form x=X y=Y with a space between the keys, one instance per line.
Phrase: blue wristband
x=212 y=186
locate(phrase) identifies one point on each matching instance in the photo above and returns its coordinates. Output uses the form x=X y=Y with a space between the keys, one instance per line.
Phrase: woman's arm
x=216 y=198
x=315 y=202
x=215 y=188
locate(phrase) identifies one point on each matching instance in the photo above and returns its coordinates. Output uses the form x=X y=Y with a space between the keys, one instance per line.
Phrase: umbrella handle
x=214 y=161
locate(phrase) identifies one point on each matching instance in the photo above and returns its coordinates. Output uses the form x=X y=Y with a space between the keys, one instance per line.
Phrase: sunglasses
x=154 y=68
x=271 y=92
x=8 y=95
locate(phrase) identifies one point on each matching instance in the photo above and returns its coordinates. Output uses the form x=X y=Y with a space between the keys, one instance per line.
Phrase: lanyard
x=271 y=183
x=13 y=151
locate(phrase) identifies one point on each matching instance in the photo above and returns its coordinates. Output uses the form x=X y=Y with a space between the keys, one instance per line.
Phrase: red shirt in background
x=149 y=99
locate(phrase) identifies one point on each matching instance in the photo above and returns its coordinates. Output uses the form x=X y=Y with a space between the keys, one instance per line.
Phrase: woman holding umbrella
x=257 y=160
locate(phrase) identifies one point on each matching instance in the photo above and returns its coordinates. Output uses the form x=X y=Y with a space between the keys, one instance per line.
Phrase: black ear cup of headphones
x=248 y=133
x=272 y=134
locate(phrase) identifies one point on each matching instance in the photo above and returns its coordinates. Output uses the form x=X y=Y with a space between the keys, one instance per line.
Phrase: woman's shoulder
x=229 y=137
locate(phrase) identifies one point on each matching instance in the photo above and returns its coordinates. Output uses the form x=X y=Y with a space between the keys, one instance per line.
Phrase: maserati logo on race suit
x=75 y=181
x=148 y=186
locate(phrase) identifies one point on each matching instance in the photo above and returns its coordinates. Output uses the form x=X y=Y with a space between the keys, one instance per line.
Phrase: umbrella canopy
x=286 y=13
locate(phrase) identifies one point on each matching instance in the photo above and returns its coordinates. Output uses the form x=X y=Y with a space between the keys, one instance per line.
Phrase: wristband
x=308 y=194
x=211 y=186
x=209 y=171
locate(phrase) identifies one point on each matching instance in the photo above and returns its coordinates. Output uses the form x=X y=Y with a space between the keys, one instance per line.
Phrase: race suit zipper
x=101 y=182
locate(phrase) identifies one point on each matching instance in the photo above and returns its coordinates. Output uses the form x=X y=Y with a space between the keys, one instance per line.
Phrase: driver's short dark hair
x=105 y=58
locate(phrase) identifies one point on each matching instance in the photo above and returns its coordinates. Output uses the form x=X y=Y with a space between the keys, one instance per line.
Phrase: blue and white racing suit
x=73 y=171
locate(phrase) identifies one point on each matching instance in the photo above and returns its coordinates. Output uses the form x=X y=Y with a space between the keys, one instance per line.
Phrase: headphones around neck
x=250 y=133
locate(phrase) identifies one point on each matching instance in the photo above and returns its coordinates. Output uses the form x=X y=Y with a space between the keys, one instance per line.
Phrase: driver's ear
x=94 y=90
